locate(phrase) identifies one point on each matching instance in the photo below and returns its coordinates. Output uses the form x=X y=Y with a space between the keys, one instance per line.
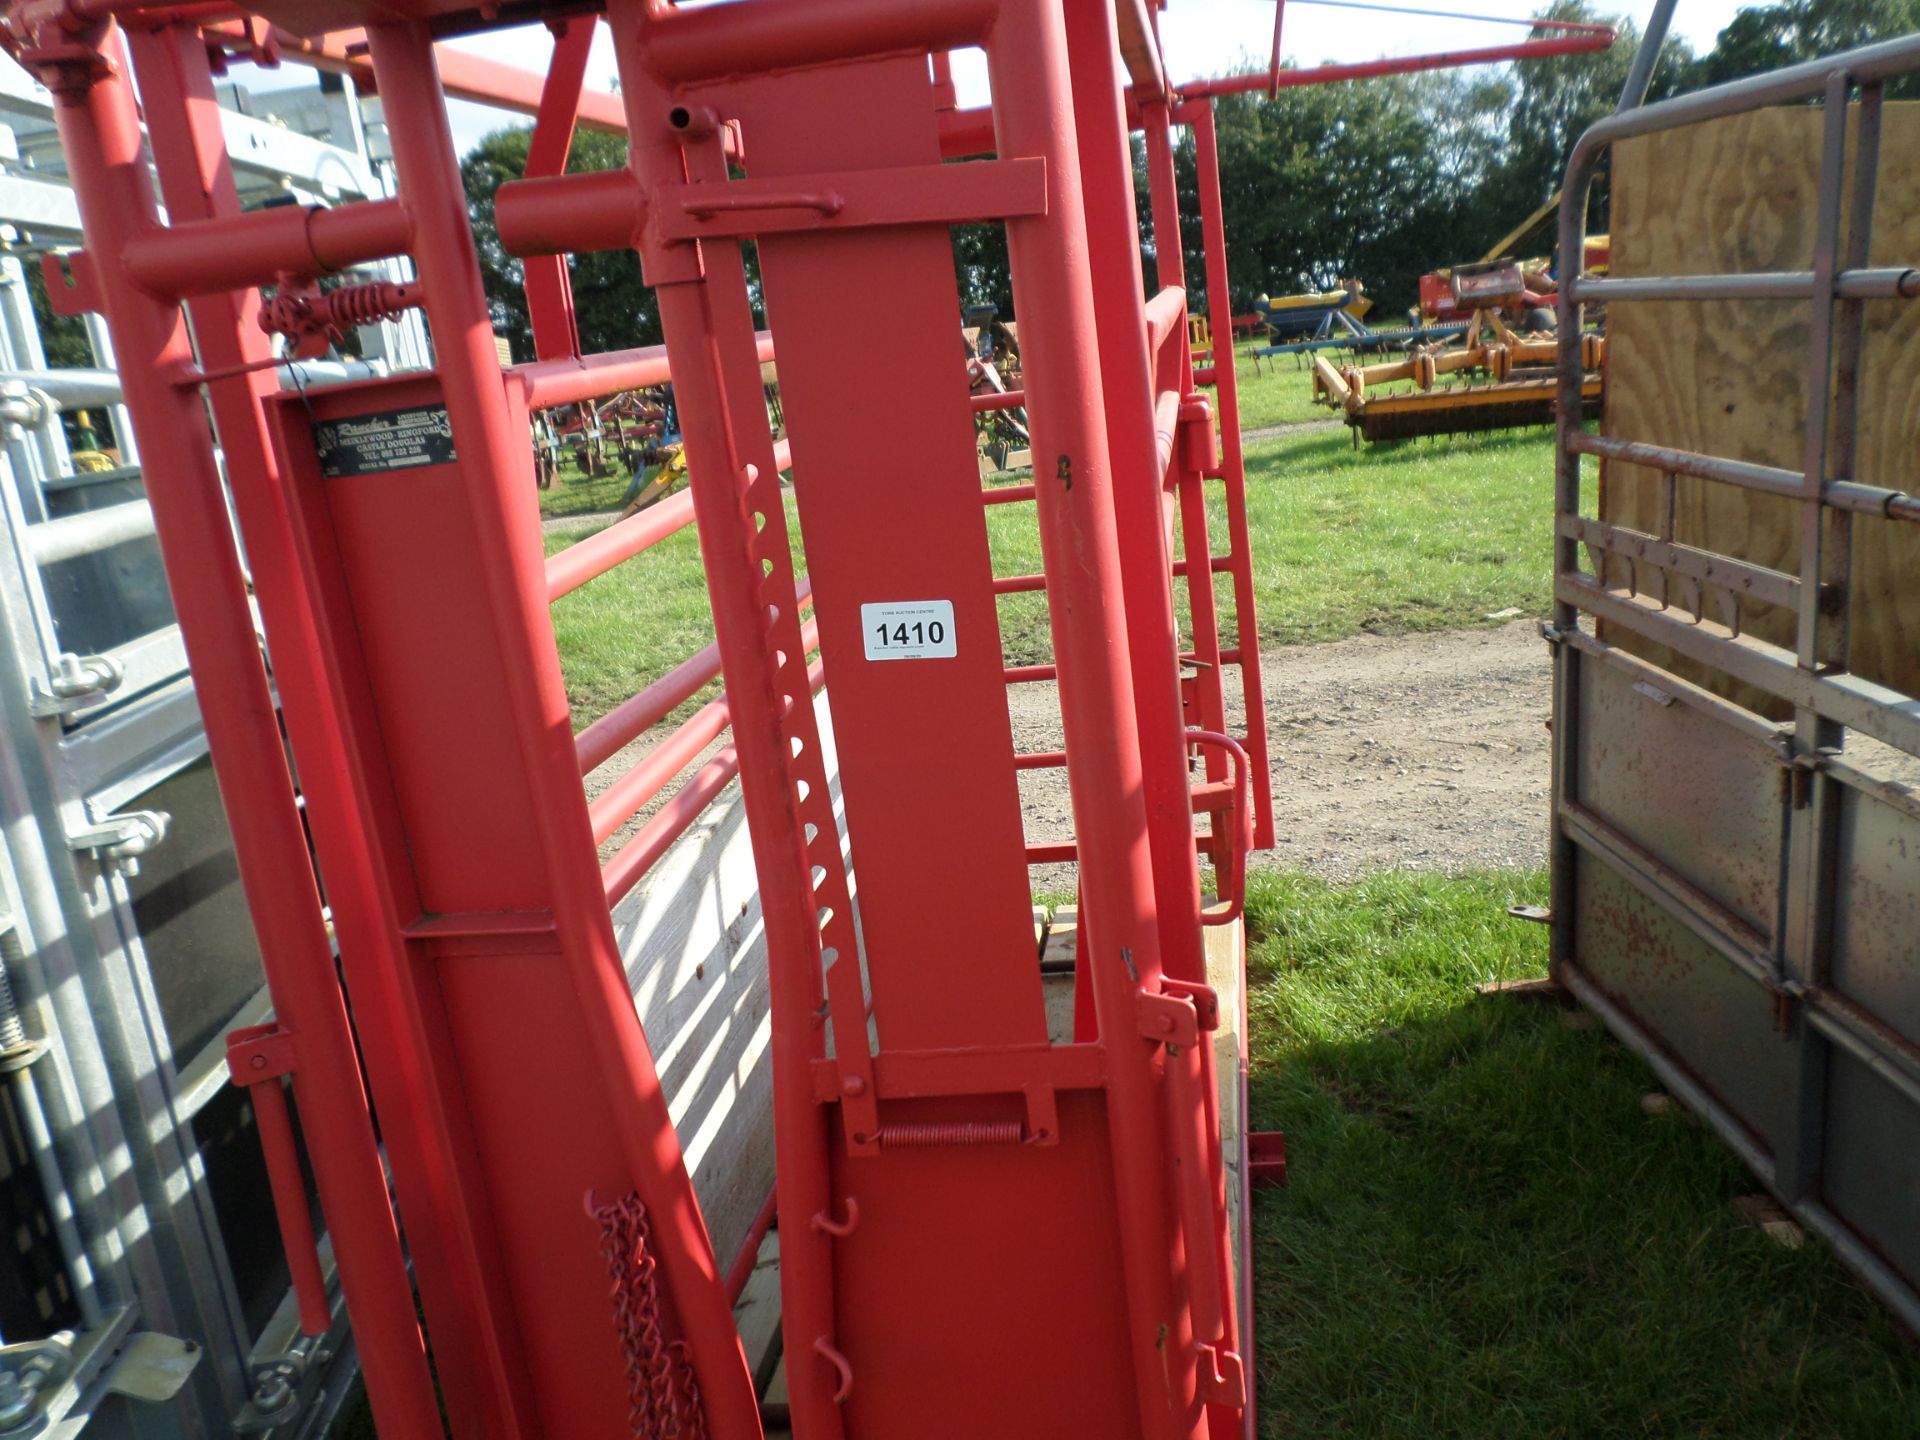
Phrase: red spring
x=313 y=320
x=662 y=1394
x=950 y=1132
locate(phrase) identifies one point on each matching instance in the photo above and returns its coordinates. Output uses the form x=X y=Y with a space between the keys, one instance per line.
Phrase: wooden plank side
x=1730 y=378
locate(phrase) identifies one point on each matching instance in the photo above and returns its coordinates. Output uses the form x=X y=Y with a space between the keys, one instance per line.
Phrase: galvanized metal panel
x=1876 y=942
x=1709 y=1018
x=1699 y=795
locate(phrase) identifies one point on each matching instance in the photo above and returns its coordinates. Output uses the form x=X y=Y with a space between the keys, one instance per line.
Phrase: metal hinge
x=76 y=682
x=120 y=840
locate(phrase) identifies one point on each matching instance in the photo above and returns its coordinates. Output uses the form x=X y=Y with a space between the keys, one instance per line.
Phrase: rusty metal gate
x=1739 y=899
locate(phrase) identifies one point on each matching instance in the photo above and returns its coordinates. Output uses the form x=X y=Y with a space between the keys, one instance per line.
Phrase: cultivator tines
x=1519 y=387
x=1465 y=411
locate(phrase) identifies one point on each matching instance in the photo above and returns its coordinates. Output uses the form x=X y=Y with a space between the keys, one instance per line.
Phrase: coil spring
x=929 y=1134
x=663 y=1397
x=295 y=312
x=369 y=304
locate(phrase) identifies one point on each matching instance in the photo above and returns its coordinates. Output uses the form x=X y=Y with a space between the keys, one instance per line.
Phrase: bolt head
x=853 y=1085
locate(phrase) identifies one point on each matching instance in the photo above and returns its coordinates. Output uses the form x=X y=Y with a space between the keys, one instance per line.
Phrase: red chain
x=662 y=1393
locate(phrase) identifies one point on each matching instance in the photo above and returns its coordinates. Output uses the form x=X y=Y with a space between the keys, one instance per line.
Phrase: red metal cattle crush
x=982 y=1233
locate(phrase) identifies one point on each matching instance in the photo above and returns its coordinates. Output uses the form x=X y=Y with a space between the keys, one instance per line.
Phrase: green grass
x=574 y=493
x=1484 y=1235
x=1422 y=535
x=1276 y=390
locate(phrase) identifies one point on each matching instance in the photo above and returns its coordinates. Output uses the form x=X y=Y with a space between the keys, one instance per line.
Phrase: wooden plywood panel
x=1731 y=378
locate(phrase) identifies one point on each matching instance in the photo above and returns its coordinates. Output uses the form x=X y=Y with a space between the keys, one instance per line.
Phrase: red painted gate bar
x=983 y=1231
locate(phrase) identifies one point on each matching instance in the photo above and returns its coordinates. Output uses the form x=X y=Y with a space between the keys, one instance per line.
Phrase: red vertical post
x=1175 y=372
x=100 y=133
x=548 y=286
x=1233 y=465
x=703 y=312
x=492 y=451
x=1060 y=342
x=1113 y=253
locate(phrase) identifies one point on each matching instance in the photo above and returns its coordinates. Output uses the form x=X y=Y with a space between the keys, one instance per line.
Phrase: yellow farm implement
x=1494 y=379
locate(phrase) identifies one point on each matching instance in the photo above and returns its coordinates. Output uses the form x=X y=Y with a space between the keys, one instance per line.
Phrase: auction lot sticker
x=908 y=630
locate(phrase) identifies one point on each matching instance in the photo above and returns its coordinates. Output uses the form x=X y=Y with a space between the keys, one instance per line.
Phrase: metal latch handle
x=1232 y=882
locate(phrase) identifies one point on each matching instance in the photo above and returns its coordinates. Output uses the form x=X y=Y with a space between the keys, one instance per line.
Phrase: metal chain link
x=662 y=1394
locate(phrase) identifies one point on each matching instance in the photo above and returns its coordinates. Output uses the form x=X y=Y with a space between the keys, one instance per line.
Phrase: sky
x=1200 y=38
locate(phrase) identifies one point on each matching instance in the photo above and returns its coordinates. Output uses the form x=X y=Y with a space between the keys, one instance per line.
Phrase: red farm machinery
x=987 y=1226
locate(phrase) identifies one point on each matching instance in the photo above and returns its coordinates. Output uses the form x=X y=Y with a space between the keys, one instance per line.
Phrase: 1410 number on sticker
x=908 y=630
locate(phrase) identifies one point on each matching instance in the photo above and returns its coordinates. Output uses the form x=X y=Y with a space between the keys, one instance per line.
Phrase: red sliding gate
x=983 y=1233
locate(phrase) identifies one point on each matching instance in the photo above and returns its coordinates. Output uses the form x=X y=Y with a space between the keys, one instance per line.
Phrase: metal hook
x=841 y=1366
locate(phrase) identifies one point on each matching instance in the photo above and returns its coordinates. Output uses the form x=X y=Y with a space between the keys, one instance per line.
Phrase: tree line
x=1381 y=180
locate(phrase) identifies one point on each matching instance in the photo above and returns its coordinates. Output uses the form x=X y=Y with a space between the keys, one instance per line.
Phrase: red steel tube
x=1130 y=353
x=569 y=214
x=463 y=74
x=584 y=560
x=1005 y=494
x=748 y=1255
x=1233 y=465
x=1027 y=63
x=1018 y=584
x=705 y=316
x=100 y=136
x=622 y=800
x=213 y=256
x=650 y=774
x=710 y=41
x=668 y=824
x=570 y=381
x=630 y=719
x=1581 y=44
x=290 y=1205
x=999 y=400
x=1165 y=312
x=1040 y=760
x=492 y=449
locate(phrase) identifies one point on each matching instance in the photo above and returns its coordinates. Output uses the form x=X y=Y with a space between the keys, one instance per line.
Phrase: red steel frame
x=1016 y=1237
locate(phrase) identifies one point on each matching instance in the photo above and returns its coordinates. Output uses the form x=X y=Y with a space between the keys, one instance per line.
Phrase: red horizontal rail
x=634 y=716
x=1041 y=760
x=670 y=821
x=999 y=400
x=1005 y=494
x=1579 y=44
x=569 y=381
x=1027 y=674
x=1220 y=565
x=1205 y=374
x=622 y=800
x=1052 y=854
x=585 y=559
x=1166 y=312
x=1018 y=584
x=668 y=824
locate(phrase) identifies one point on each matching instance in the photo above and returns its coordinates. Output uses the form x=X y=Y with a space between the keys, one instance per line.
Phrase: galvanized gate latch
x=120 y=840
x=74 y=682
